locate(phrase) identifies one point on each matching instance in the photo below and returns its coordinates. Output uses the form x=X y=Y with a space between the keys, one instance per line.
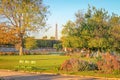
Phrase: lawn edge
x=60 y=74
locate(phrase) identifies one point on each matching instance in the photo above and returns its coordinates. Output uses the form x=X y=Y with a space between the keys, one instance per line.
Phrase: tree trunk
x=21 y=45
x=21 y=50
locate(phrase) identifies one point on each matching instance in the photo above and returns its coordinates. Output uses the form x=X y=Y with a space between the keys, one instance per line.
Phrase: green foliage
x=30 y=43
x=41 y=43
x=86 y=66
x=52 y=38
x=95 y=29
x=57 y=46
x=116 y=72
x=45 y=37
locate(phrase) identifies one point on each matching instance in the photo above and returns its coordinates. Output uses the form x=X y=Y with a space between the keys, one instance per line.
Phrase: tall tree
x=114 y=22
x=68 y=32
x=98 y=23
x=89 y=30
x=23 y=16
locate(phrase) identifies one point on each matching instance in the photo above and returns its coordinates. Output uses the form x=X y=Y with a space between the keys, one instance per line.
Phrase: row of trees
x=32 y=43
x=41 y=43
x=96 y=30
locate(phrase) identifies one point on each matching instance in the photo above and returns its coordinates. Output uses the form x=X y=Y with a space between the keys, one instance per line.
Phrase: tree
x=98 y=28
x=30 y=43
x=115 y=32
x=57 y=46
x=95 y=30
x=7 y=35
x=45 y=37
x=23 y=16
x=68 y=32
x=52 y=38
x=75 y=33
x=89 y=30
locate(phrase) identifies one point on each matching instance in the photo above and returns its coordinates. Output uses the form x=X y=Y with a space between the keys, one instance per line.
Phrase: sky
x=63 y=10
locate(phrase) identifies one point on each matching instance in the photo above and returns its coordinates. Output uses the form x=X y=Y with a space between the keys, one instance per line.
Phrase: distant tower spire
x=56 y=32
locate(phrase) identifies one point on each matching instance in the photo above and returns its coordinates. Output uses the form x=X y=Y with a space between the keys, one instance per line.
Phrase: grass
x=48 y=63
x=95 y=74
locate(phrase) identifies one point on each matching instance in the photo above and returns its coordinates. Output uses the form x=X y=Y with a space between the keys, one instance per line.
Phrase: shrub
x=84 y=65
x=75 y=64
x=70 y=65
x=1 y=53
x=109 y=63
x=2 y=78
x=8 y=53
x=99 y=58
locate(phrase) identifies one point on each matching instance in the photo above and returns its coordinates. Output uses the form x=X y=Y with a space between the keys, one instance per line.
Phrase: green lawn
x=43 y=62
x=47 y=63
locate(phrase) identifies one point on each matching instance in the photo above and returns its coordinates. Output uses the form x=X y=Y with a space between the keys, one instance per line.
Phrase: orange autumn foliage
x=7 y=35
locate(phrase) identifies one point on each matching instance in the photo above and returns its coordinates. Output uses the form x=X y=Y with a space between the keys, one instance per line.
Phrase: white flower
x=21 y=61
x=33 y=62
x=27 y=62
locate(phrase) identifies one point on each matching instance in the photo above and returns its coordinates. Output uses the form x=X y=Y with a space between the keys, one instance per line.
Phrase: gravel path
x=12 y=75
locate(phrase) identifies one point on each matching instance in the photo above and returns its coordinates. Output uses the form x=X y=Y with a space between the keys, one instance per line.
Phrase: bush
x=8 y=53
x=83 y=65
x=75 y=64
x=70 y=65
x=1 y=78
x=109 y=63
x=86 y=66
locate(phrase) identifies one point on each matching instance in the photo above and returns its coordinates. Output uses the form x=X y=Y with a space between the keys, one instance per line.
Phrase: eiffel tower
x=56 y=32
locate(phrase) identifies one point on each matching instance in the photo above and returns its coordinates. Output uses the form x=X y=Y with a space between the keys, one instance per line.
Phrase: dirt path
x=12 y=75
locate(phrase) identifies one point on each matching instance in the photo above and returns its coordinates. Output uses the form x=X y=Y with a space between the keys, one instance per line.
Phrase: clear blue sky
x=63 y=10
